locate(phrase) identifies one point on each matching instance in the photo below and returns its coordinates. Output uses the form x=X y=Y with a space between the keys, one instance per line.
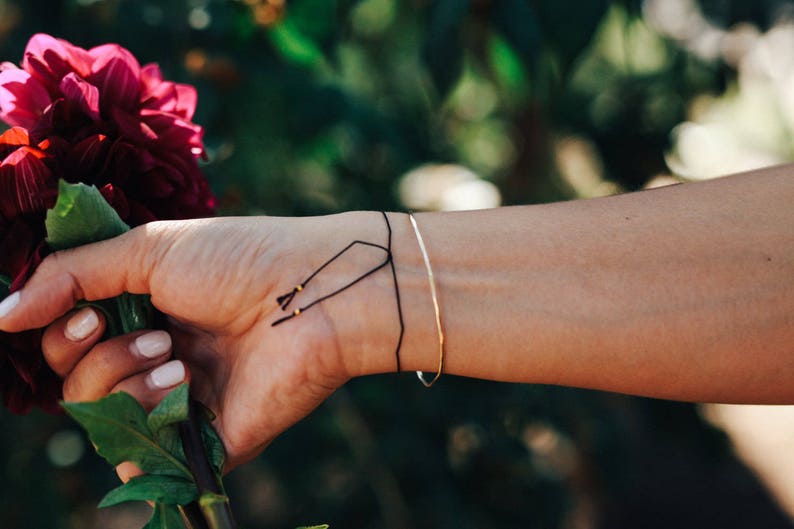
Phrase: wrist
x=366 y=319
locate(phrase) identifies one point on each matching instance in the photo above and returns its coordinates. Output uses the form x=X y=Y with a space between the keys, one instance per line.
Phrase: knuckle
x=73 y=389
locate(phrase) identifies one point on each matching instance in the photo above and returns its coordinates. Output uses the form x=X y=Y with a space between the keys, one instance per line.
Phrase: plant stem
x=192 y=516
x=213 y=502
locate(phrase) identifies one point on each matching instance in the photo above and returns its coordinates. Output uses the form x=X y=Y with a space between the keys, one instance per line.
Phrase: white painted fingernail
x=81 y=325
x=168 y=375
x=8 y=304
x=153 y=344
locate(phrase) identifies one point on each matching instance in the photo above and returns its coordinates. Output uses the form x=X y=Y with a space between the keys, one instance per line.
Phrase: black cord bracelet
x=285 y=299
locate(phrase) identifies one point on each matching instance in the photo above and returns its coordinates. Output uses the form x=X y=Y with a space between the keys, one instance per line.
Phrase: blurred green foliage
x=319 y=106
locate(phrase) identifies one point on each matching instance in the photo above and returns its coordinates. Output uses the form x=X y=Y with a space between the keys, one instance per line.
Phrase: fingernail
x=8 y=304
x=153 y=344
x=168 y=375
x=81 y=325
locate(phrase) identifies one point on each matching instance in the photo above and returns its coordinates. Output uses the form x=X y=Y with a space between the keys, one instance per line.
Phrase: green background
x=321 y=106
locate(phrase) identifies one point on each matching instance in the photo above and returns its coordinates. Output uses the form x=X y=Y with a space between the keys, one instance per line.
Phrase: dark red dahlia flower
x=93 y=116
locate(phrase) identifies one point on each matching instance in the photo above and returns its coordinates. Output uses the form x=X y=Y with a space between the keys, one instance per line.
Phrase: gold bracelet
x=432 y=281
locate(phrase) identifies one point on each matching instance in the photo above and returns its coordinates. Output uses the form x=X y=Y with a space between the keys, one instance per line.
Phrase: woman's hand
x=217 y=280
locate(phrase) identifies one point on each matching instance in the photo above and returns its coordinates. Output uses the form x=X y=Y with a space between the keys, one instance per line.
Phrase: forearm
x=684 y=292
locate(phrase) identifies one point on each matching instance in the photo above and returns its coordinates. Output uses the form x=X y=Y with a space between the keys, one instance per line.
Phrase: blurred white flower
x=751 y=125
x=683 y=20
x=447 y=187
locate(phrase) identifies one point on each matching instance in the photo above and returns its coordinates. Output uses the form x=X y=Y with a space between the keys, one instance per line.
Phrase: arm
x=685 y=292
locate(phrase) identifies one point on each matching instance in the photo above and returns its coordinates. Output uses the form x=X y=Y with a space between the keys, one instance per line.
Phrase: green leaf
x=173 y=409
x=163 y=421
x=135 y=311
x=165 y=517
x=161 y=489
x=118 y=427
x=517 y=21
x=294 y=45
x=324 y=526
x=213 y=445
x=443 y=51
x=81 y=216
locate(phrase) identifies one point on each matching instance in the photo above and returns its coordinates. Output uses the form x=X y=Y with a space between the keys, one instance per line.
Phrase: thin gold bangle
x=434 y=293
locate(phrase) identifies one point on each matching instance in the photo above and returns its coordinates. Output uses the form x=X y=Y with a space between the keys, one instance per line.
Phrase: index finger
x=95 y=271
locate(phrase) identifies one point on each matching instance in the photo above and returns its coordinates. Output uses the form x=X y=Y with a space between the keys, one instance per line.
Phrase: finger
x=150 y=387
x=112 y=361
x=126 y=471
x=95 y=271
x=68 y=339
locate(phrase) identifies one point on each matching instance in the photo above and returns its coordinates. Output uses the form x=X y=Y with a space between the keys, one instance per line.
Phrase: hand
x=217 y=280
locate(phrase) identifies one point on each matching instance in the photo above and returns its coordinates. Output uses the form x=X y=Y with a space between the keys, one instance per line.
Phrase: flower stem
x=192 y=516
x=213 y=502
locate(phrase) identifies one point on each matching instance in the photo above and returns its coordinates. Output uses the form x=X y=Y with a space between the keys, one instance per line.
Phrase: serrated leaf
x=164 y=419
x=161 y=489
x=81 y=215
x=135 y=312
x=443 y=51
x=172 y=409
x=118 y=427
x=213 y=445
x=165 y=517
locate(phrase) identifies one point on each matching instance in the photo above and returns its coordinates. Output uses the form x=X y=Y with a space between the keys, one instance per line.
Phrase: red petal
x=173 y=98
x=55 y=147
x=25 y=183
x=82 y=94
x=30 y=266
x=151 y=78
x=17 y=245
x=188 y=99
x=173 y=132
x=22 y=98
x=117 y=74
x=133 y=128
x=117 y=199
x=49 y=59
x=11 y=139
x=87 y=159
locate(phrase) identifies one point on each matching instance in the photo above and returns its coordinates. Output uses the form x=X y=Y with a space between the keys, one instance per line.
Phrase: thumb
x=94 y=271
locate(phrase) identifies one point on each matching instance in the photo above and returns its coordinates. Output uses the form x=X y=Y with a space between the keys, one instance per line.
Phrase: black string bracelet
x=285 y=299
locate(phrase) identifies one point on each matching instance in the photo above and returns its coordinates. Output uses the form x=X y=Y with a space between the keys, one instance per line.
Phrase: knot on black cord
x=285 y=299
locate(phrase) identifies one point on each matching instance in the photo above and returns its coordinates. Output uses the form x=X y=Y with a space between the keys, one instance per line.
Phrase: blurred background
x=319 y=106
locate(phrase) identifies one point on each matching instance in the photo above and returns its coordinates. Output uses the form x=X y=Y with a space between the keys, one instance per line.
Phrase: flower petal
x=133 y=128
x=82 y=94
x=12 y=139
x=117 y=74
x=50 y=59
x=33 y=262
x=88 y=157
x=173 y=98
x=117 y=199
x=17 y=245
x=173 y=132
x=151 y=78
x=25 y=183
x=22 y=98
